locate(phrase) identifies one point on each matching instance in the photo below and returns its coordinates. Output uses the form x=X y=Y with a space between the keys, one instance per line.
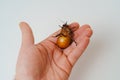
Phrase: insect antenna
x=60 y=26
x=61 y=20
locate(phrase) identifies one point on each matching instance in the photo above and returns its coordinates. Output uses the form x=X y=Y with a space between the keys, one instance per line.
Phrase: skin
x=45 y=60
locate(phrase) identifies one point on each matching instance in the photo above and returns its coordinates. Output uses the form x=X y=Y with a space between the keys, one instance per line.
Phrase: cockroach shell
x=63 y=42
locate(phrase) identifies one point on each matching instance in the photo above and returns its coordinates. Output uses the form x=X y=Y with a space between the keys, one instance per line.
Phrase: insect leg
x=74 y=41
x=57 y=35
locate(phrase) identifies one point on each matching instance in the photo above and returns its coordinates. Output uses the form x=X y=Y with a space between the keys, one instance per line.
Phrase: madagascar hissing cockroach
x=65 y=37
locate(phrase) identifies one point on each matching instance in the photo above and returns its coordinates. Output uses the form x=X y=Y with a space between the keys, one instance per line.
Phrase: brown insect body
x=66 y=31
x=65 y=38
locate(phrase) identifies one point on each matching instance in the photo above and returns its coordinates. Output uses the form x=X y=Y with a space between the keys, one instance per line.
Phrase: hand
x=45 y=60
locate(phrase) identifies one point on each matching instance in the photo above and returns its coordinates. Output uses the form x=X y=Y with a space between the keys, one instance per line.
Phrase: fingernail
x=89 y=32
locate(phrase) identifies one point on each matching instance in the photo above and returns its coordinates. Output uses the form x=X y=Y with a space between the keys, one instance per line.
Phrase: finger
x=81 y=30
x=86 y=33
x=79 y=34
x=74 y=26
x=76 y=53
x=27 y=35
x=82 y=36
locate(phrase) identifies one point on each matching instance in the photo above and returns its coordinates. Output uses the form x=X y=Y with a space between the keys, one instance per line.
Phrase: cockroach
x=65 y=37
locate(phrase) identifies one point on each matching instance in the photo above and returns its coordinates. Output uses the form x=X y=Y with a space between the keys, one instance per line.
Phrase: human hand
x=45 y=60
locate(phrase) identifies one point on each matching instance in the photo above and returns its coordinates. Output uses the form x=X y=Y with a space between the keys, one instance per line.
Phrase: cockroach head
x=65 y=24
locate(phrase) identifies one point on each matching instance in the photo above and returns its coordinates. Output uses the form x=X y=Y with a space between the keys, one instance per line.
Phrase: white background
x=101 y=60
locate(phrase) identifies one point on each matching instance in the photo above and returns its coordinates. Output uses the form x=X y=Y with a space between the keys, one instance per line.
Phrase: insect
x=65 y=37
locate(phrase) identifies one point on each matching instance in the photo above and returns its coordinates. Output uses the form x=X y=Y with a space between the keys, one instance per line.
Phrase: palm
x=53 y=61
x=48 y=62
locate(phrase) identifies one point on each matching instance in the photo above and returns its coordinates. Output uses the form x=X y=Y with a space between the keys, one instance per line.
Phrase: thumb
x=27 y=35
